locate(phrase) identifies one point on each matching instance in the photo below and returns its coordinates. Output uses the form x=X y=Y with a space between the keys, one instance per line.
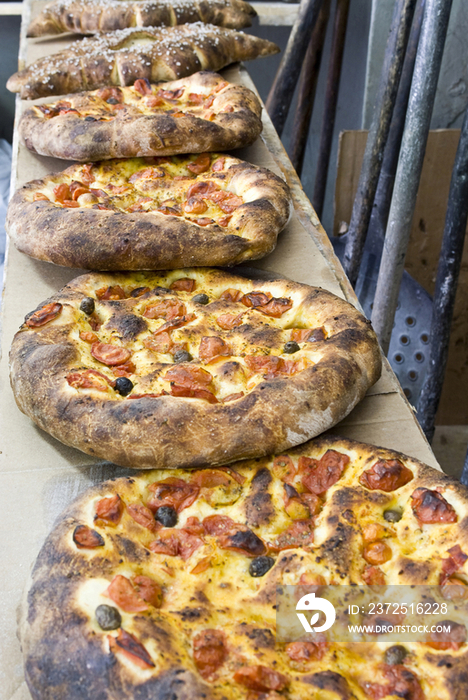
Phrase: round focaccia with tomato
x=190 y=367
x=151 y=213
x=196 y=114
x=164 y=586
x=123 y=56
x=89 y=16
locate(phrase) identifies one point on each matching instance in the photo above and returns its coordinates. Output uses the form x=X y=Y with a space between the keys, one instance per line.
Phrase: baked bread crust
x=139 y=122
x=155 y=223
x=121 y=57
x=253 y=397
x=62 y=641
x=90 y=16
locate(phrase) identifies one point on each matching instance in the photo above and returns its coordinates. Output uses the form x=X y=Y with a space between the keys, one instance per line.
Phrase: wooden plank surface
x=39 y=476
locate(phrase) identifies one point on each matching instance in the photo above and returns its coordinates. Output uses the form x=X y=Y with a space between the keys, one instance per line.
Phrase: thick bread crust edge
x=141 y=433
x=107 y=240
x=57 y=671
x=71 y=138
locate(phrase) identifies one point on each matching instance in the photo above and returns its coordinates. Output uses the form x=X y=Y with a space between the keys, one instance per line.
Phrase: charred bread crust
x=132 y=132
x=67 y=655
x=98 y=239
x=121 y=57
x=271 y=415
x=90 y=16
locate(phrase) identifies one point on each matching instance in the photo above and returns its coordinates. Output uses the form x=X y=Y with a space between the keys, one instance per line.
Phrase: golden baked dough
x=190 y=367
x=151 y=213
x=188 y=565
x=199 y=113
x=90 y=16
x=121 y=57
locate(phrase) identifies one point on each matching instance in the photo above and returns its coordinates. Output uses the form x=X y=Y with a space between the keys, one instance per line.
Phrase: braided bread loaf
x=120 y=58
x=90 y=16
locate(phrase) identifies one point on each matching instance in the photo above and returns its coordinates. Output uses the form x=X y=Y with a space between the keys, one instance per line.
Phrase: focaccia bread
x=121 y=57
x=164 y=586
x=190 y=367
x=90 y=16
x=199 y=113
x=151 y=213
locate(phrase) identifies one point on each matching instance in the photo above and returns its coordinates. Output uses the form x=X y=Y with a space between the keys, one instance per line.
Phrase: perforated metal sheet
x=409 y=346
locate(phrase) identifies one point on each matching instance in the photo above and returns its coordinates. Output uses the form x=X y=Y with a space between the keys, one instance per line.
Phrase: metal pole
x=464 y=474
x=307 y=87
x=383 y=196
x=423 y=88
x=446 y=285
x=331 y=98
x=390 y=78
x=280 y=95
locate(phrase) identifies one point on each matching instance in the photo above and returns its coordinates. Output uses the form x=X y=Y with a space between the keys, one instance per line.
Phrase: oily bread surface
x=121 y=57
x=270 y=415
x=232 y=120
x=143 y=224
x=60 y=636
x=90 y=16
